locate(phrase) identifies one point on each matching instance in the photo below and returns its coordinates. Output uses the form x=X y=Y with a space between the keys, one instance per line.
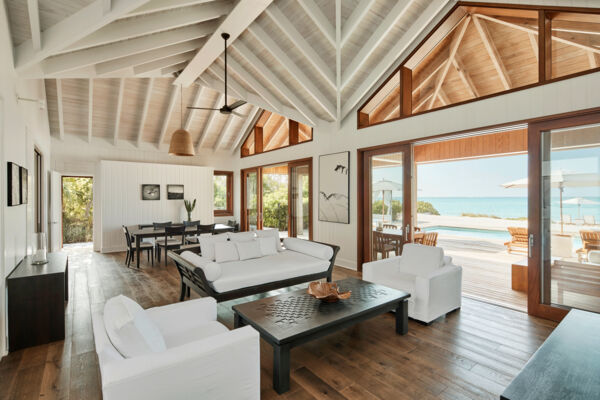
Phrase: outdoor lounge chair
x=589 y=220
x=519 y=239
x=591 y=241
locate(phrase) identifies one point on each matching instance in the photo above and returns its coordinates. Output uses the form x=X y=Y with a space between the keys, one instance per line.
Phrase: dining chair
x=130 y=255
x=201 y=229
x=430 y=239
x=381 y=245
x=390 y=226
x=174 y=239
x=191 y=223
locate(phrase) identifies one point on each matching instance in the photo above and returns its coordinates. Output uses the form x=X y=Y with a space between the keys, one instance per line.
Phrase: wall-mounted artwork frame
x=24 y=187
x=150 y=192
x=13 y=180
x=334 y=187
x=175 y=192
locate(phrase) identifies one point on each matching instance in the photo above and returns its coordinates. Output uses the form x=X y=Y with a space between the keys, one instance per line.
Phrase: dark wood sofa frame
x=193 y=277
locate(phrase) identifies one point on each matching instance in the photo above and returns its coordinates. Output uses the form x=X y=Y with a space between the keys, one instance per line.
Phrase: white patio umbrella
x=580 y=201
x=561 y=179
x=383 y=186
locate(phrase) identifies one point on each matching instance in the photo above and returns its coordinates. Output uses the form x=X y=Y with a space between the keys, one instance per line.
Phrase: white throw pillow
x=226 y=251
x=420 y=260
x=212 y=270
x=271 y=233
x=268 y=246
x=313 y=249
x=249 y=249
x=207 y=244
x=241 y=236
x=129 y=328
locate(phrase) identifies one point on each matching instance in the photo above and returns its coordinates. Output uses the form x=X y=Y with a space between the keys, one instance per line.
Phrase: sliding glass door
x=300 y=199
x=275 y=194
x=250 y=195
x=564 y=232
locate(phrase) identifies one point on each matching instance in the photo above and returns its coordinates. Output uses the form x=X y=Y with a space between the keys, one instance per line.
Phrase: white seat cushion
x=226 y=251
x=248 y=250
x=420 y=260
x=284 y=265
x=207 y=244
x=179 y=337
x=212 y=270
x=268 y=246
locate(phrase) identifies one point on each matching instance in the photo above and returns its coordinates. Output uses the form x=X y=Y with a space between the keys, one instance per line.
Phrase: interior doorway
x=77 y=209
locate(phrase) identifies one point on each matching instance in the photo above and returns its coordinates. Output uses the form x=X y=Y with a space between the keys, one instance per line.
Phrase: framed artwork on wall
x=13 y=179
x=334 y=187
x=23 y=187
x=150 y=192
x=174 y=192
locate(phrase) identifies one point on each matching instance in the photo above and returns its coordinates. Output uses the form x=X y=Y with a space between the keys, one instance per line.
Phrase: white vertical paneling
x=122 y=204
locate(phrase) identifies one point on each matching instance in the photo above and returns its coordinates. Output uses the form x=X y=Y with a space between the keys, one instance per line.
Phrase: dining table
x=396 y=236
x=150 y=232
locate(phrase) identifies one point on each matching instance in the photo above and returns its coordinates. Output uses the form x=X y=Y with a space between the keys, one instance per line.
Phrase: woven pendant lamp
x=181 y=140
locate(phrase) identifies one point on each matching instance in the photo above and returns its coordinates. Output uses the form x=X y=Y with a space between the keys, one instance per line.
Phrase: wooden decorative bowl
x=327 y=292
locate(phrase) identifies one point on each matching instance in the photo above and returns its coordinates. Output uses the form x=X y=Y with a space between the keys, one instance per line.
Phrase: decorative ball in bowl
x=327 y=292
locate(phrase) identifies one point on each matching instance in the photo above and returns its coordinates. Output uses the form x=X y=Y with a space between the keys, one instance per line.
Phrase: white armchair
x=202 y=358
x=434 y=283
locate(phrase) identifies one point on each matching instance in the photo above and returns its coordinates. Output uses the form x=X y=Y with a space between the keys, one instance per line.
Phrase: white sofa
x=187 y=354
x=232 y=277
x=434 y=283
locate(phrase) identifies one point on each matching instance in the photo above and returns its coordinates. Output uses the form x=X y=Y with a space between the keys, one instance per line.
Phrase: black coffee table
x=290 y=319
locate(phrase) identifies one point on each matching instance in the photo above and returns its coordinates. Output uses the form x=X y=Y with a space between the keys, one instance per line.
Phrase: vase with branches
x=189 y=207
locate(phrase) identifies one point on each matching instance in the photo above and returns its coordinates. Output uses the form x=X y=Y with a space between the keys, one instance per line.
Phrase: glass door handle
x=530 y=245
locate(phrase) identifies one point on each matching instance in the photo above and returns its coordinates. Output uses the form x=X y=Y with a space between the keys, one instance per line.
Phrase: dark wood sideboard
x=36 y=296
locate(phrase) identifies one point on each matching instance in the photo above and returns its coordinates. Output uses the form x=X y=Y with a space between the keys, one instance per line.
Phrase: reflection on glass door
x=275 y=198
x=570 y=220
x=251 y=203
x=300 y=200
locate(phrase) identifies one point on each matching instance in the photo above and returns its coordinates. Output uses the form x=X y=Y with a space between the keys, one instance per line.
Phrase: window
x=223 y=193
x=38 y=191
x=478 y=51
x=272 y=132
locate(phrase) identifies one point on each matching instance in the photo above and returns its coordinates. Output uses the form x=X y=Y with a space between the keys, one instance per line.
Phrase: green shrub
x=78 y=210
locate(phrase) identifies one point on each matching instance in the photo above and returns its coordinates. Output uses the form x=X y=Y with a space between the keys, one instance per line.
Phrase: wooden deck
x=471 y=354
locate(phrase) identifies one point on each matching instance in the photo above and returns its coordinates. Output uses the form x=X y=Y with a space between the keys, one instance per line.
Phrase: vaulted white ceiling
x=115 y=69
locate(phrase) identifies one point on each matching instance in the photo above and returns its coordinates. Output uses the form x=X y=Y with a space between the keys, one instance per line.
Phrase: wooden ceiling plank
x=276 y=131
x=244 y=130
x=224 y=131
x=153 y=23
x=354 y=20
x=428 y=77
x=443 y=98
x=197 y=102
x=172 y=101
x=34 y=24
x=168 y=71
x=119 y=110
x=305 y=48
x=147 y=56
x=534 y=45
x=314 y=12
x=233 y=87
x=90 y=109
x=81 y=58
x=145 y=111
x=436 y=8
x=155 y=6
x=162 y=63
x=71 y=29
x=236 y=22
x=422 y=102
x=268 y=74
x=465 y=77
x=592 y=60
x=493 y=53
x=376 y=38
x=61 y=118
x=213 y=115
x=338 y=62
x=454 y=45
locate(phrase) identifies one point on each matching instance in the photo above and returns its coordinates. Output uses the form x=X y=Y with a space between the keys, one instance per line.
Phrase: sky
x=484 y=177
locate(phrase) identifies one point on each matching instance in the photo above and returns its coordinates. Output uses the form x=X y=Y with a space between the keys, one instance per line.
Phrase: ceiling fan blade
x=237 y=104
x=203 y=108
x=237 y=114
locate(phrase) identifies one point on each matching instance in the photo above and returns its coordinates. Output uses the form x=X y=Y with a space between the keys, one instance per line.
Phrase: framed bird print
x=150 y=192
x=334 y=187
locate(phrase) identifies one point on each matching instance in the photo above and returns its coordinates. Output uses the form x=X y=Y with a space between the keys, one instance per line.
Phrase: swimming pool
x=469 y=232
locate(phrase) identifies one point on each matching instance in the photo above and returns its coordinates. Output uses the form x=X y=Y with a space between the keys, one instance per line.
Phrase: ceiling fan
x=226 y=109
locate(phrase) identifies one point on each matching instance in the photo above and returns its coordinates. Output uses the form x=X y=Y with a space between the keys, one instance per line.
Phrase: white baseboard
x=348 y=264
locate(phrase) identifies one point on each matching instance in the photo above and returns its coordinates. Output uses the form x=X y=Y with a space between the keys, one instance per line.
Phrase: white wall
x=23 y=125
x=121 y=202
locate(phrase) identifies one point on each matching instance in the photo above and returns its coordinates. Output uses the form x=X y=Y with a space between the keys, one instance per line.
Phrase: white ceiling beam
x=34 y=24
x=76 y=59
x=276 y=130
x=224 y=131
x=360 y=11
x=308 y=84
x=61 y=118
x=147 y=99
x=119 y=110
x=283 y=88
x=282 y=21
x=233 y=87
x=172 y=101
x=90 y=109
x=147 y=56
x=107 y=6
x=436 y=8
x=197 y=100
x=255 y=84
x=211 y=118
x=163 y=62
x=314 y=12
x=155 y=6
x=252 y=115
x=375 y=40
x=338 y=62
x=493 y=53
x=173 y=68
x=153 y=23
x=236 y=22
x=79 y=25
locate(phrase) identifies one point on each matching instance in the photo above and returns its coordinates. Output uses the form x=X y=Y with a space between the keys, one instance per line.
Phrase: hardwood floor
x=472 y=354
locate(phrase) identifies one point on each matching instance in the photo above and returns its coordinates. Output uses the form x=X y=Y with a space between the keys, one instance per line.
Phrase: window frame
x=228 y=212
x=544 y=60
